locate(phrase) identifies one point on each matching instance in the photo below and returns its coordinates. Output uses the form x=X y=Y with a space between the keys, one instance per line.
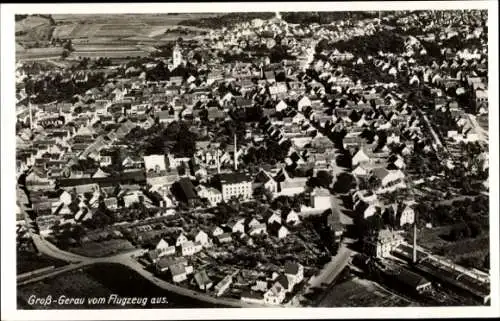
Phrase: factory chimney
x=218 y=161
x=415 y=242
x=31 y=114
x=235 y=154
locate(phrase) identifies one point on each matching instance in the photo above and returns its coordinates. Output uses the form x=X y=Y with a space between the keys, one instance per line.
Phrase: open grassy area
x=361 y=293
x=102 y=248
x=30 y=261
x=109 y=25
x=73 y=284
x=435 y=240
x=101 y=280
x=152 y=19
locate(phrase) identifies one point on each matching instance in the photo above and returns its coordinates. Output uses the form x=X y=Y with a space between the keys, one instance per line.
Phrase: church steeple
x=176 y=56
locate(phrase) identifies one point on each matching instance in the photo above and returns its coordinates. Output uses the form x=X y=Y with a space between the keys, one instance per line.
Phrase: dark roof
x=165 y=261
x=164 y=114
x=333 y=219
x=380 y=172
x=252 y=295
x=242 y=101
x=269 y=74
x=202 y=278
x=132 y=176
x=410 y=278
x=153 y=255
x=283 y=280
x=233 y=178
x=177 y=269
x=224 y=236
x=187 y=188
x=262 y=177
x=291 y=268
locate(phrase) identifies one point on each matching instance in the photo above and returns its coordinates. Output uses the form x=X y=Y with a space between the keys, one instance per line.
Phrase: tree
x=65 y=54
x=68 y=45
x=181 y=169
x=375 y=223
x=324 y=179
x=475 y=229
x=486 y=263
x=344 y=183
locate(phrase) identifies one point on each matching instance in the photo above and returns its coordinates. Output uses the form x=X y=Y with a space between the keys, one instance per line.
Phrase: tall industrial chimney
x=31 y=114
x=217 y=159
x=415 y=242
x=235 y=154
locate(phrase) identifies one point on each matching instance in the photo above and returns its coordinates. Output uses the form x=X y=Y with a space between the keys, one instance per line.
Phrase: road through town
x=127 y=259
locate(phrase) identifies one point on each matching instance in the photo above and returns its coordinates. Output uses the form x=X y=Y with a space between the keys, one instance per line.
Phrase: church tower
x=176 y=56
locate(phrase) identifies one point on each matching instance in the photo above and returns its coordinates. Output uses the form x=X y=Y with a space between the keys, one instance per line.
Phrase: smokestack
x=31 y=114
x=217 y=159
x=414 y=242
x=235 y=154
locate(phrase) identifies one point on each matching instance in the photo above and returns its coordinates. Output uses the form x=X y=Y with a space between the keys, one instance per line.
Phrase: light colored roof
x=162 y=244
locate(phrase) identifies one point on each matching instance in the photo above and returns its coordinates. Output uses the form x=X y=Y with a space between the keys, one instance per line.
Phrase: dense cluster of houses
x=70 y=148
x=269 y=290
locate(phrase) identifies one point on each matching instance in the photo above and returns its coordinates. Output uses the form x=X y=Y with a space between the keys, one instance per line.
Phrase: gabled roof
x=177 y=269
x=269 y=75
x=233 y=178
x=380 y=172
x=282 y=280
x=162 y=244
x=100 y=173
x=292 y=268
x=263 y=177
x=202 y=278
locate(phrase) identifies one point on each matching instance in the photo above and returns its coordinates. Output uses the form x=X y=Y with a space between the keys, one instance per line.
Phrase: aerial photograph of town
x=252 y=160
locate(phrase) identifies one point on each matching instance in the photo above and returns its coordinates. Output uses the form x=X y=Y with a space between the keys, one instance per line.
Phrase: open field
x=31 y=23
x=100 y=35
x=102 y=248
x=467 y=248
x=73 y=284
x=151 y=19
x=109 y=54
x=29 y=261
x=101 y=280
x=104 y=47
x=34 y=53
x=361 y=293
x=119 y=26
x=64 y=31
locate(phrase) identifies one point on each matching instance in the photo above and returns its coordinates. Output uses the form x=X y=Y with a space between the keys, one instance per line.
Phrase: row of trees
x=325 y=17
x=468 y=210
x=272 y=153
x=364 y=46
x=175 y=138
x=57 y=88
x=225 y=20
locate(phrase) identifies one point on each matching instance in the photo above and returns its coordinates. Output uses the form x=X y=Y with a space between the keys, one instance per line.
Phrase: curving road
x=127 y=259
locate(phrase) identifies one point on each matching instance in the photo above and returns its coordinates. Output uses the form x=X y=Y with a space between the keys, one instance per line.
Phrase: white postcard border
x=8 y=195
